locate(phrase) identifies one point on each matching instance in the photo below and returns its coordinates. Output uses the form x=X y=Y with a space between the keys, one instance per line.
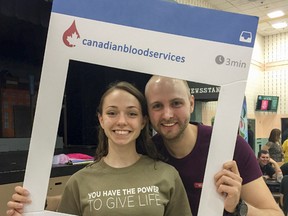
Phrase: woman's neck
x=121 y=158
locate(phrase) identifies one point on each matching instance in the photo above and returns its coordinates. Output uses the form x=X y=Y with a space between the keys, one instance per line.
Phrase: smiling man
x=269 y=167
x=186 y=146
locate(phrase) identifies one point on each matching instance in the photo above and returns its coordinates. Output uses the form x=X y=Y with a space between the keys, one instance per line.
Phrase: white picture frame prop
x=154 y=37
x=45 y=213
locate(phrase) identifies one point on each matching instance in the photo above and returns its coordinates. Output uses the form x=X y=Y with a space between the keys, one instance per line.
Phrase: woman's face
x=122 y=119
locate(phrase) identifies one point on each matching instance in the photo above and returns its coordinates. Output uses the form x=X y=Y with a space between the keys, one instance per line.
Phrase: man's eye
x=176 y=103
x=156 y=106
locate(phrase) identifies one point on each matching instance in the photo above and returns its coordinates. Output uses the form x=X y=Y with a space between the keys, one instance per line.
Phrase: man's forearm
x=253 y=211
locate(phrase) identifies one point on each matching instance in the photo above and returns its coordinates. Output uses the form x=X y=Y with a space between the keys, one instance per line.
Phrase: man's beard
x=174 y=137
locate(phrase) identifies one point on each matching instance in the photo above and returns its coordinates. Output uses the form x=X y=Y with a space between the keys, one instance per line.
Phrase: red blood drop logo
x=71 y=35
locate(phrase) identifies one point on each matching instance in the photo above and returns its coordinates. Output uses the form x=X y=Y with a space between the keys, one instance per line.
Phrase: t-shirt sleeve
x=246 y=161
x=178 y=204
x=69 y=203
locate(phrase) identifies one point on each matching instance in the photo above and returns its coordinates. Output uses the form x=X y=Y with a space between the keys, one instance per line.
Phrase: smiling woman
x=122 y=122
x=84 y=87
x=121 y=181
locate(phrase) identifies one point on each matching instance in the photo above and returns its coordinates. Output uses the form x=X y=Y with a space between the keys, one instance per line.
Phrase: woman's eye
x=132 y=114
x=111 y=113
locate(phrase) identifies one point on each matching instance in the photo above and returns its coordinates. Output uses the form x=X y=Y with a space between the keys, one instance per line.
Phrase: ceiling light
x=279 y=25
x=275 y=14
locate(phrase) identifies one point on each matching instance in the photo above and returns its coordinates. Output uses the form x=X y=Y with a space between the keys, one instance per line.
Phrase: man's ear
x=192 y=103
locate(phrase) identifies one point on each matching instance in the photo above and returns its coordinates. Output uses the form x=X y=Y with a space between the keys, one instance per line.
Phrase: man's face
x=169 y=107
x=264 y=159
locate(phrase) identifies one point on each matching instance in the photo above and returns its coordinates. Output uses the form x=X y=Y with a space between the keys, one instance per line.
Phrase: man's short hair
x=262 y=152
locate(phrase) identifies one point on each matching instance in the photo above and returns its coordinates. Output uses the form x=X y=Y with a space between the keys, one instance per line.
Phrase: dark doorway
x=284 y=128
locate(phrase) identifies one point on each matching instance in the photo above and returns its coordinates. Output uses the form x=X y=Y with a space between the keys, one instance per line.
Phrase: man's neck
x=184 y=144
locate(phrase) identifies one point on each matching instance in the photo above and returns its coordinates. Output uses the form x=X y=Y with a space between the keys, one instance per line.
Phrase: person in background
x=285 y=150
x=274 y=145
x=186 y=145
x=121 y=181
x=269 y=167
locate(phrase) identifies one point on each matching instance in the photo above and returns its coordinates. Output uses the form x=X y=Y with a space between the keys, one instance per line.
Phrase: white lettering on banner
x=205 y=90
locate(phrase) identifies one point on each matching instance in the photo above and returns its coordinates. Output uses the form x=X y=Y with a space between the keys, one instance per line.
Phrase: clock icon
x=219 y=59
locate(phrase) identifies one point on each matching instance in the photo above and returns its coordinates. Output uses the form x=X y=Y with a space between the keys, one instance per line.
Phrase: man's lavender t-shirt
x=192 y=167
